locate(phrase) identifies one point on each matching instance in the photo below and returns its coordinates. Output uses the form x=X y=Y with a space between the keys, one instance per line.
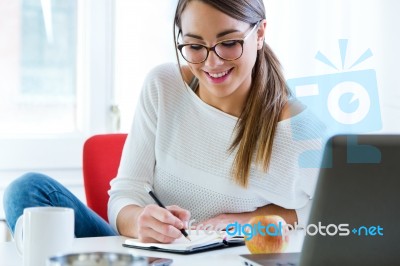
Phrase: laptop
x=359 y=189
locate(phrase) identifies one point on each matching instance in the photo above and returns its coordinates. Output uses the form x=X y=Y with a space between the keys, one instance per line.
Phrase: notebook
x=200 y=241
x=359 y=187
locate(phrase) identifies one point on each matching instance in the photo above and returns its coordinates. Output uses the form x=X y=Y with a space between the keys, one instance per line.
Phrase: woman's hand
x=156 y=224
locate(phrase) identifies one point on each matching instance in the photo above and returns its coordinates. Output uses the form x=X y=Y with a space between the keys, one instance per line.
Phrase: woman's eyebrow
x=219 y=35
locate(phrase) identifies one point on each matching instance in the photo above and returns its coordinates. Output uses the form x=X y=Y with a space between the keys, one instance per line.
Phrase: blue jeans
x=33 y=189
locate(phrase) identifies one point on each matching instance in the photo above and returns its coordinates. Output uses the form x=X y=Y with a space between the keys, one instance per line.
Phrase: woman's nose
x=213 y=60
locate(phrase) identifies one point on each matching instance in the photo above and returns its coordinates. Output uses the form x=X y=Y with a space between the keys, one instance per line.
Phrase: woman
x=221 y=150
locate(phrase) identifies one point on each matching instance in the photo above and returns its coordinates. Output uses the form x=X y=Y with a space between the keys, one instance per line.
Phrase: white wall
x=297 y=30
x=4 y=232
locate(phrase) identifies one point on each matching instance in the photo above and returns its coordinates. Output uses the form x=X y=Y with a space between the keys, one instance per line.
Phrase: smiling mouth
x=220 y=74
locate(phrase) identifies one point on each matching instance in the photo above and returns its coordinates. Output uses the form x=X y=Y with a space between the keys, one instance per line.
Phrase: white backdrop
x=297 y=31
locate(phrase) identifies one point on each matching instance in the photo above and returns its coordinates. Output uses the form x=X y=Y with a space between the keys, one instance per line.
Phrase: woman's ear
x=261 y=34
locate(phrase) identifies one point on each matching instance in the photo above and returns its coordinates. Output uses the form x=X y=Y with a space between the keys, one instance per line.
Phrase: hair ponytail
x=256 y=127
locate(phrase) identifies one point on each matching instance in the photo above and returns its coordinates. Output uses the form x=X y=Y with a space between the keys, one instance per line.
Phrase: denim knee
x=24 y=185
x=22 y=193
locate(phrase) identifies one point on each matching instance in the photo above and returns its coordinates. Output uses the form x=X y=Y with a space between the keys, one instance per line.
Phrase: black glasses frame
x=212 y=48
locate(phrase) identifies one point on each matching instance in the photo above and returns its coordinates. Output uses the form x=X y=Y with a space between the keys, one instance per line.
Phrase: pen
x=159 y=203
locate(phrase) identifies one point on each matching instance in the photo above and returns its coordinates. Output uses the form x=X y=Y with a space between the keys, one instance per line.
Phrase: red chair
x=101 y=158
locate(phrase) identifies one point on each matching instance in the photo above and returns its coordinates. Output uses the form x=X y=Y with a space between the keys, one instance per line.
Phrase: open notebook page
x=199 y=239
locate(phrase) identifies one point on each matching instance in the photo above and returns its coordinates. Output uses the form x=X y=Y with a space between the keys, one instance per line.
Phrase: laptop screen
x=356 y=208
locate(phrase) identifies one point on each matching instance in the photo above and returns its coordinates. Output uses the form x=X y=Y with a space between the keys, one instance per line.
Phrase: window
x=55 y=88
x=39 y=94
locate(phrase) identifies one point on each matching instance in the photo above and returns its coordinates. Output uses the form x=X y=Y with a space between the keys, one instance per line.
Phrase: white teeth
x=218 y=75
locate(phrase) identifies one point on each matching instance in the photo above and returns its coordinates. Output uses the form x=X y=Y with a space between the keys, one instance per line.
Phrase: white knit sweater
x=179 y=145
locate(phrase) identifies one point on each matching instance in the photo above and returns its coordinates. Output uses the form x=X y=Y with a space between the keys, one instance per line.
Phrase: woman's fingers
x=181 y=214
x=156 y=224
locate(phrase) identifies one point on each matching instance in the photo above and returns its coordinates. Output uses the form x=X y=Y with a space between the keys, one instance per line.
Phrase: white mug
x=41 y=232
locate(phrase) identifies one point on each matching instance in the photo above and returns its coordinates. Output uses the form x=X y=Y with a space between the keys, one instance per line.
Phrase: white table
x=9 y=255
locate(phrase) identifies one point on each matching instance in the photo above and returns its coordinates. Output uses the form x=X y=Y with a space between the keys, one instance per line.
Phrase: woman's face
x=220 y=79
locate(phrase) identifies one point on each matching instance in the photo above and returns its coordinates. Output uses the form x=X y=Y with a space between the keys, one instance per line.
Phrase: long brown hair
x=256 y=126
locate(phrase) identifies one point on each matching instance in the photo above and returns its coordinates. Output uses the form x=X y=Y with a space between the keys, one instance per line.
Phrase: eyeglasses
x=228 y=50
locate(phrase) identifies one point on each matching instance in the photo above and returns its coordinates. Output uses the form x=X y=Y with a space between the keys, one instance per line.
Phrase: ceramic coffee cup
x=42 y=232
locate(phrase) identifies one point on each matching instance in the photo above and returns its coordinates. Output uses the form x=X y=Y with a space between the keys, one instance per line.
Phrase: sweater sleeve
x=138 y=156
